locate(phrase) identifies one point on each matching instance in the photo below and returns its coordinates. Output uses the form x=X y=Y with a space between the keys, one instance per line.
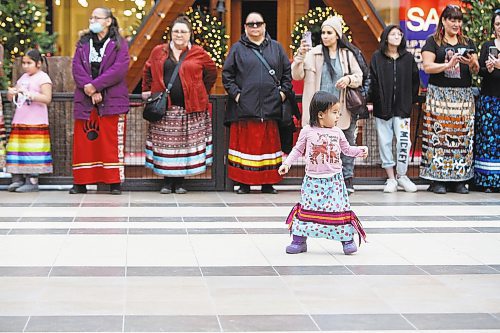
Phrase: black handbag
x=289 y=108
x=155 y=106
x=355 y=99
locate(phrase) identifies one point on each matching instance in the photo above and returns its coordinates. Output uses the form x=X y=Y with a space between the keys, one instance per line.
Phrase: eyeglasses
x=180 y=31
x=254 y=24
x=497 y=11
x=453 y=6
x=97 y=18
x=396 y=34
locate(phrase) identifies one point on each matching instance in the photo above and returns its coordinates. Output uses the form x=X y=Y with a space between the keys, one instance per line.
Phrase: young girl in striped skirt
x=28 y=148
x=324 y=210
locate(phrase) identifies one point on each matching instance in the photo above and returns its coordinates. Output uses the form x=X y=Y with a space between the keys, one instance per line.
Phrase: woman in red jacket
x=180 y=144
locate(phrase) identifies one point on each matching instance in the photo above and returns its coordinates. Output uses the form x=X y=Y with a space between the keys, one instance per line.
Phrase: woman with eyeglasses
x=450 y=58
x=254 y=106
x=100 y=66
x=180 y=144
x=394 y=89
x=487 y=126
x=331 y=67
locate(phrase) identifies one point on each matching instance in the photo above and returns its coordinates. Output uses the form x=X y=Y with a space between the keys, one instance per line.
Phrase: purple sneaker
x=298 y=245
x=349 y=247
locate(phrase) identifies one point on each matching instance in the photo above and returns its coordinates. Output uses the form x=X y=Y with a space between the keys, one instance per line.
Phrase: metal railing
x=137 y=177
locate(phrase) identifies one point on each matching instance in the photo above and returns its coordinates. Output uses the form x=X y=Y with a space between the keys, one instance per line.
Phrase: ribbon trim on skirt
x=328 y=218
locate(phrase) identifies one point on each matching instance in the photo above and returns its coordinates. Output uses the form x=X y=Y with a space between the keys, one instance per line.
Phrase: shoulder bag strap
x=176 y=71
x=348 y=63
x=271 y=71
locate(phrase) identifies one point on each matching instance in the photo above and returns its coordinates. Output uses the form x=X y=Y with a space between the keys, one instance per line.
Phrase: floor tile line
x=26 y=324
x=58 y=254
x=408 y=321
x=496 y=269
x=320 y=321
x=269 y=270
x=205 y=282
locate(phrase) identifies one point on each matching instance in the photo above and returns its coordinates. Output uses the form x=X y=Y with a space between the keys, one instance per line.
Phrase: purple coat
x=110 y=82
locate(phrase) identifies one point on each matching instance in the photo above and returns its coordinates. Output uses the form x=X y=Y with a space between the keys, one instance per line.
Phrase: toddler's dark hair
x=36 y=56
x=320 y=102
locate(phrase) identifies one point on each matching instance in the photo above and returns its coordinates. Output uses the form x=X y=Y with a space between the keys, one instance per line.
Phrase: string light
x=312 y=21
x=134 y=14
x=17 y=32
x=209 y=33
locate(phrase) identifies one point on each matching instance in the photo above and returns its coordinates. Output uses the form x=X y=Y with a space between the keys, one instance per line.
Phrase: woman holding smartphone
x=330 y=67
x=487 y=133
x=450 y=58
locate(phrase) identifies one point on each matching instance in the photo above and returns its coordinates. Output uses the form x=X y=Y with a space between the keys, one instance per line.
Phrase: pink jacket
x=321 y=148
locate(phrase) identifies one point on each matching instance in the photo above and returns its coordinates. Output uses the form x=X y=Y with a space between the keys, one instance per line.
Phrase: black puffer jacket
x=394 y=85
x=360 y=58
x=246 y=75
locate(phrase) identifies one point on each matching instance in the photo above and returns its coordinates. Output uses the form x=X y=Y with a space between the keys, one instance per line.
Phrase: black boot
x=167 y=186
x=244 y=189
x=115 y=189
x=179 y=187
x=268 y=188
x=439 y=187
x=78 y=189
x=460 y=188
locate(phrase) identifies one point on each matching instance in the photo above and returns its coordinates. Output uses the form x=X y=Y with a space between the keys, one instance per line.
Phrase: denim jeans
x=386 y=131
x=348 y=162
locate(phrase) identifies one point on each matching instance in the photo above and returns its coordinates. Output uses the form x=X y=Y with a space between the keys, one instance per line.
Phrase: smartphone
x=307 y=37
x=493 y=51
x=465 y=52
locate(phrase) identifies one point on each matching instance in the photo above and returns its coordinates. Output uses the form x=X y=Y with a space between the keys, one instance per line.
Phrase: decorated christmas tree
x=20 y=24
x=477 y=19
x=209 y=33
x=312 y=21
x=477 y=23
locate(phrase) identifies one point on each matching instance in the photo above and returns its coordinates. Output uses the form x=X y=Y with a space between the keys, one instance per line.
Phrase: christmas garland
x=209 y=33
x=312 y=21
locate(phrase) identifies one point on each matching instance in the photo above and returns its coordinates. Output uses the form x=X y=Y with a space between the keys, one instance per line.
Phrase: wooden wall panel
x=289 y=11
x=363 y=21
x=236 y=21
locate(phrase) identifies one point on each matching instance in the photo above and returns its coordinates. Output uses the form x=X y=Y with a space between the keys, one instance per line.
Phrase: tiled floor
x=215 y=262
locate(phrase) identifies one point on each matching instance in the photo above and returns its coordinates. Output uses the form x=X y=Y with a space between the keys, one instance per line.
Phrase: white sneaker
x=391 y=186
x=407 y=184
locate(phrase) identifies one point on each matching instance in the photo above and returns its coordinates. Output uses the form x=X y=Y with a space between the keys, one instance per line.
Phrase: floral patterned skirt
x=486 y=139
x=324 y=195
x=447 y=135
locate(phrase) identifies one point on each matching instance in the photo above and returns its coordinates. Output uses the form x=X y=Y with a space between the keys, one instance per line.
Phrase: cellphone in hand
x=465 y=52
x=307 y=37
x=493 y=51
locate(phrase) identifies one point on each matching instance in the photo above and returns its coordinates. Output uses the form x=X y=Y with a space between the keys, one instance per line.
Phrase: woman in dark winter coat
x=394 y=88
x=254 y=106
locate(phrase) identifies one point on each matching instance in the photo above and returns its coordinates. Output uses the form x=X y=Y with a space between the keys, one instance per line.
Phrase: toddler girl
x=28 y=148
x=324 y=210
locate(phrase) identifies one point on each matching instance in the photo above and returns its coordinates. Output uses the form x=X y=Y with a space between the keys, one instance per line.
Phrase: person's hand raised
x=304 y=47
x=283 y=169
